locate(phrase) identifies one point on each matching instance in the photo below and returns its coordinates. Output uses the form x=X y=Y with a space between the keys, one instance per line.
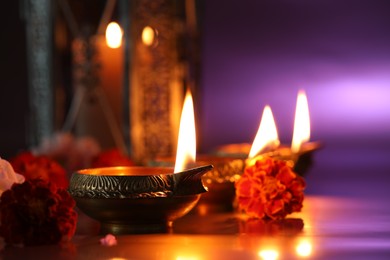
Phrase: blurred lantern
x=129 y=97
x=162 y=40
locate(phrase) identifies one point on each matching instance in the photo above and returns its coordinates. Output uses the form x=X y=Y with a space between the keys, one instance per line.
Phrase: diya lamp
x=143 y=199
x=219 y=182
x=230 y=161
x=299 y=154
x=266 y=142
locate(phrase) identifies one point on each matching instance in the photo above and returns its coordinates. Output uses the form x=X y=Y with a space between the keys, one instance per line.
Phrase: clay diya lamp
x=136 y=199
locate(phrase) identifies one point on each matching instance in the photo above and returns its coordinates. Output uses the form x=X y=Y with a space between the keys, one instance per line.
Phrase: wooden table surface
x=327 y=228
x=346 y=215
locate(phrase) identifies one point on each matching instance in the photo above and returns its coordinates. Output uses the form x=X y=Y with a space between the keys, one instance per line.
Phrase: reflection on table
x=327 y=228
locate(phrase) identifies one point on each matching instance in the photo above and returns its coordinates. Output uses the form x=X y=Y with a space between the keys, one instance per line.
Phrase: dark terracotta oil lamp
x=143 y=199
x=230 y=160
x=136 y=199
x=266 y=142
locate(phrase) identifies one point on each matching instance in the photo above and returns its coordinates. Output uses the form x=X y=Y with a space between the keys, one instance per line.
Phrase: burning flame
x=186 y=144
x=267 y=135
x=301 y=124
x=148 y=36
x=114 y=35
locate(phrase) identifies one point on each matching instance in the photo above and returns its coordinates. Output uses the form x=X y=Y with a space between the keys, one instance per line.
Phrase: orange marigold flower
x=35 y=212
x=269 y=189
x=40 y=167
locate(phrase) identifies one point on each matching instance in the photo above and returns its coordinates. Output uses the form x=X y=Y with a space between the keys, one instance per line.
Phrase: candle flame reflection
x=114 y=35
x=187 y=258
x=268 y=254
x=186 y=144
x=304 y=248
x=267 y=135
x=301 y=132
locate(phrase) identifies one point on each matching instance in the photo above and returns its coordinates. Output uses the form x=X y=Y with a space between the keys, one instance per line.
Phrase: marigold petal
x=255 y=209
x=243 y=202
x=286 y=175
x=243 y=187
x=275 y=206
x=287 y=196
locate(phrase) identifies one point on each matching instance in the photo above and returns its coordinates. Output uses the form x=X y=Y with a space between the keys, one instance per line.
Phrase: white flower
x=73 y=152
x=108 y=240
x=8 y=176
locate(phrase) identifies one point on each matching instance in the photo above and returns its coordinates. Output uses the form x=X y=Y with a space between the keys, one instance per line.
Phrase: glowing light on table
x=267 y=134
x=304 y=248
x=301 y=132
x=268 y=254
x=186 y=146
x=187 y=258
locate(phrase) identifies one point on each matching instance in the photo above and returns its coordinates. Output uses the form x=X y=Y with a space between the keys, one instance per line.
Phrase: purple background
x=262 y=52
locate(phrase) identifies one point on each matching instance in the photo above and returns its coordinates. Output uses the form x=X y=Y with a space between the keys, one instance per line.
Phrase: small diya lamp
x=230 y=161
x=143 y=199
x=266 y=142
x=220 y=182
